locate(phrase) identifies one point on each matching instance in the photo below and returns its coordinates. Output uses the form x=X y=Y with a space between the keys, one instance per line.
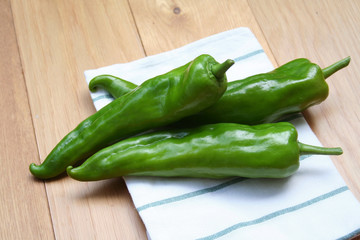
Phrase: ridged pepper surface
x=262 y=98
x=220 y=150
x=159 y=101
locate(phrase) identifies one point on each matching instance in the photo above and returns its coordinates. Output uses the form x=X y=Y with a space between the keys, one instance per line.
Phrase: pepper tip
x=69 y=172
x=33 y=167
x=38 y=171
x=68 y=169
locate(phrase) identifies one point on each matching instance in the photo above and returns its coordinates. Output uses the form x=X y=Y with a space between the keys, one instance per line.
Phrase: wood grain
x=24 y=210
x=165 y=25
x=58 y=40
x=46 y=95
x=320 y=31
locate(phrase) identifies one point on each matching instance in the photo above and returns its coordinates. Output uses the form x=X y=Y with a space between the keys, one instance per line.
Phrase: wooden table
x=46 y=46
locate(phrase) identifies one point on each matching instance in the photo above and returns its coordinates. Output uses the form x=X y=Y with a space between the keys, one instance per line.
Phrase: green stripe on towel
x=191 y=194
x=199 y=192
x=276 y=214
x=251 y=54
x=105 y=96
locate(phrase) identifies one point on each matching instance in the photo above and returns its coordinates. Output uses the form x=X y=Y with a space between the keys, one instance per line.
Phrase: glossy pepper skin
x=209 y=151
x=117 y=87
x=268 y=97
x=158 y=101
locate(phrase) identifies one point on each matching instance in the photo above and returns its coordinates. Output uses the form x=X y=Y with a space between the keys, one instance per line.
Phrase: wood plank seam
x=30 y=112
x=137 y=29
x=262 y=32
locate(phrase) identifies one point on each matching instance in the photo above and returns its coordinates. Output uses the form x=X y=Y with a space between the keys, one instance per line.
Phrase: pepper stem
x=330 y=70
x=309 y=149
x=219 y=69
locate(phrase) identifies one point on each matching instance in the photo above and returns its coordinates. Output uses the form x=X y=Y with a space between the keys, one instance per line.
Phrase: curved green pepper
x=114 y=85
x=210 y=151
x=268 y=97
x=158 y=101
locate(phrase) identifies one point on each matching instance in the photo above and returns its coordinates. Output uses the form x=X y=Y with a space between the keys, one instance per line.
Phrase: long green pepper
x=210 y=151
x=159 y=101
x=262 y=98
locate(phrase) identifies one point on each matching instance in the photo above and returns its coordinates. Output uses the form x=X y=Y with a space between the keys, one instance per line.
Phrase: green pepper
x=219 y=150
x=114 y=85
x=273 y=96
x=267 y=97
x=158 y=101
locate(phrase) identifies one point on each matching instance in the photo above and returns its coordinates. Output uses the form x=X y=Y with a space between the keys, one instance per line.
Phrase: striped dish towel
x=315 y=203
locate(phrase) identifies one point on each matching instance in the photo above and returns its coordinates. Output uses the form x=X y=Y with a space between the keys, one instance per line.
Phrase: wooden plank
x=58 y=40
x=325 y=32
x=24 y=211
x=165 y=25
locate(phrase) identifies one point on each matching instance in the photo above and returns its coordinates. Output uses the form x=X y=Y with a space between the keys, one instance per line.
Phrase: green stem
x=312 y=150
x=219 y=69
x=330 y=70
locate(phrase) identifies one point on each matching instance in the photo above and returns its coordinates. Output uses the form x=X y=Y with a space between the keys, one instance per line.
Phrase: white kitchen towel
x=314 y=203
